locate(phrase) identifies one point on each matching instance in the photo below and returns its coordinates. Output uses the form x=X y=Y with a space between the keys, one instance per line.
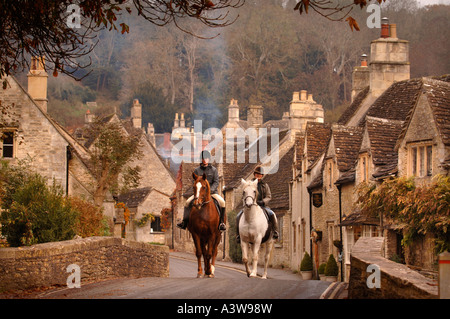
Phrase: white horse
x=254 y=229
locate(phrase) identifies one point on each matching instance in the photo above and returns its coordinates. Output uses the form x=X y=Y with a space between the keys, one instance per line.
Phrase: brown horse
x=204 y=226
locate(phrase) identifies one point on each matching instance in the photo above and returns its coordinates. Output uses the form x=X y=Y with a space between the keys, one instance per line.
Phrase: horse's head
x=201 y=190
x=250 y=192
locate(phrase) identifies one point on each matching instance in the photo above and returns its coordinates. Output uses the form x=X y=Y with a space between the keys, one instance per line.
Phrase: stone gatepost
x=119 y=220
x=444 y=275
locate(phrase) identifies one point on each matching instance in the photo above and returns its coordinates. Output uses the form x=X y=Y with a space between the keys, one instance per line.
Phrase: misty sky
x=426 y=2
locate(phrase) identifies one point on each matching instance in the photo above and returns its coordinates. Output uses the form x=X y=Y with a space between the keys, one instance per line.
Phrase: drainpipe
x=310 y=222
x=339 y=187
x=68 y=158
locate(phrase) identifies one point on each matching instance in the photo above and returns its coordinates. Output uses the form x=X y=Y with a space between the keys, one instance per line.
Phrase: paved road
x=230 y=283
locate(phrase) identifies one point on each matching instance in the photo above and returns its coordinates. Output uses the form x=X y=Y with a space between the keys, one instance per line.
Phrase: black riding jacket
x=212 y=175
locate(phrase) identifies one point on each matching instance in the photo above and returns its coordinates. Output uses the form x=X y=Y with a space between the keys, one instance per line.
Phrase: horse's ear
x=243 y=181
x=204 y=176
x=255 y=182
x=194 y=176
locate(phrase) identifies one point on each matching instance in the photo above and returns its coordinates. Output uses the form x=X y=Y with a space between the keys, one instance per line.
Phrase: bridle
x=253 y=200
x=204 y=202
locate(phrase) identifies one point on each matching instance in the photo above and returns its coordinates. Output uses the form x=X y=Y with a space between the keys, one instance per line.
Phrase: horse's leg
x=214 y=253
x=211 y=253
x=244 y=248
x=198 y=253
x=269 y=246
x=255 y=250
x=206 y=258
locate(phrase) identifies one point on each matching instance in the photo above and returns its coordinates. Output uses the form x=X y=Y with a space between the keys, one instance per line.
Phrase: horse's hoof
x=264 y=277
x=252 y=275
x=210 y=276
x=199 y=275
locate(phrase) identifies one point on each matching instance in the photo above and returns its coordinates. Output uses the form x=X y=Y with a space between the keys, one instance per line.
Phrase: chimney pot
x=296 y=96
x=310 y=98
x=364 y=60
x=385 y=27
x=303 y=94
x=393 y=28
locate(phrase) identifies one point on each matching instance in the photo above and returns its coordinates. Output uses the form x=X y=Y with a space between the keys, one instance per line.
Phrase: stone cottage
x=157 y=182
x=29 y=133
x=395 y=126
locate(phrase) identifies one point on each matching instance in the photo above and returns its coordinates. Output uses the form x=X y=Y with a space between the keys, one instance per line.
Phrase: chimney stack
x=389 y=60
x=136 y=114
x=182 y=121
x=233 y=111
x=37 y=82
x=255 y=116
x=303 y=94
x=89 y=117
x=176 y=122
x=360 y=77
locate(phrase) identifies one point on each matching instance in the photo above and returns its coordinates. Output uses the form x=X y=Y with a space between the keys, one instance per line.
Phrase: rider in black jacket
x=212 y=175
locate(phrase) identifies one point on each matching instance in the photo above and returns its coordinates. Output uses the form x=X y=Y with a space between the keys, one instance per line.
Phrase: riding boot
x=274 y=224
x=238 y=218
x=222 y=226
x=185 y=221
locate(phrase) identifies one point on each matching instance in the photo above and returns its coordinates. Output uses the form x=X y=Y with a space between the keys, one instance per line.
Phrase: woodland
x=269 y=52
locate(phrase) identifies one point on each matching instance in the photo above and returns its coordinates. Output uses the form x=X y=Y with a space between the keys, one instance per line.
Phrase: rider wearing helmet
x=212 y=175
x=264 y=197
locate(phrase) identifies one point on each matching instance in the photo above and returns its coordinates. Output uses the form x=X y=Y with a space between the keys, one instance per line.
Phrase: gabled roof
x=279 y=182
x=317 y=137
x=347 y=142
x=383 y=135
x=396 y=102
x=135 y=197
x=437 y=92
x=233 y=172
x=352 y=109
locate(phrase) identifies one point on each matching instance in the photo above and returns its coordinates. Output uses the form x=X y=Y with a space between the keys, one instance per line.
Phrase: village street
x=230 y=282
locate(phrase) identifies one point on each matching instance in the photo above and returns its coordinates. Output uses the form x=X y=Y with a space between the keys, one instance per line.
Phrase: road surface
x=230 y=283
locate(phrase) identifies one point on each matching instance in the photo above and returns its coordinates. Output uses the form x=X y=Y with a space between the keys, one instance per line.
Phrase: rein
x=253 y=200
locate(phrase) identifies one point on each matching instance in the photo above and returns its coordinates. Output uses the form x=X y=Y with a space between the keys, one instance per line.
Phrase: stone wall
x=397 y=281
x=99 y=258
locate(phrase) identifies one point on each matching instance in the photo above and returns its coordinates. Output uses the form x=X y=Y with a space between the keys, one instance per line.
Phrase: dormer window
x=420 y=160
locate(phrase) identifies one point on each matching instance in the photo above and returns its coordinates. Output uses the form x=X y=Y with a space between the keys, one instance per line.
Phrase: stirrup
x=275 y=235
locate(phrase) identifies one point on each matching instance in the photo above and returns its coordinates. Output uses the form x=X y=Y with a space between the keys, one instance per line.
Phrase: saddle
x=268 y=233
x=216 y=203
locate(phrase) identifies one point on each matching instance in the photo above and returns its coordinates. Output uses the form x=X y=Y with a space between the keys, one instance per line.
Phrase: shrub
x=331 y=269
x=322 y=268
x=306 y=264
x=36 y=213
x=235 y=248
x=90 y=220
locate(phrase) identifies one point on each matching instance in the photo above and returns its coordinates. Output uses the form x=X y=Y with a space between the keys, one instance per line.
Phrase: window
x=8 y=144
x=331 y=230
x=156 y=225
x=420 y=160
x=364 y=167
x=330 y=173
